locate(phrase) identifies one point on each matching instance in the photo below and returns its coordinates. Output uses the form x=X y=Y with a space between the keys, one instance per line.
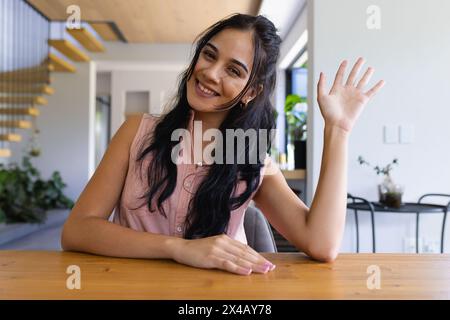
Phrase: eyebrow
x=232 y=60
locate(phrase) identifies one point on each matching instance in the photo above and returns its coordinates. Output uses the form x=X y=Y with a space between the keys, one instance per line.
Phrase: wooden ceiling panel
x=162 y=21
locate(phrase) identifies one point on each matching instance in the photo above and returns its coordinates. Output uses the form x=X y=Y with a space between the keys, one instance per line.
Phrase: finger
x=355 y=70
x=238 y=248
x=339 y=76
x=246 y=249
x=246 y=254
x=230 y=266
x=365 y=78
x=321 y=85
x=244 y=262
x=375 y=89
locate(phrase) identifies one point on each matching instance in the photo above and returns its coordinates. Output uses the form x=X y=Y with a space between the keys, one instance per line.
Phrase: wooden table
x=42 y=275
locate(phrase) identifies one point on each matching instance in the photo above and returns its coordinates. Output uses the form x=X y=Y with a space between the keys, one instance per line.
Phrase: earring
x=244 y=105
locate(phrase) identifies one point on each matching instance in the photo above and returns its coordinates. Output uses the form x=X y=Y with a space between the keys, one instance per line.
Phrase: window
x=297 y=82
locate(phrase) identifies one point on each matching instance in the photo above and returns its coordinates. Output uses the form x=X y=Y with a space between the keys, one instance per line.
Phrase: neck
x=210 y=120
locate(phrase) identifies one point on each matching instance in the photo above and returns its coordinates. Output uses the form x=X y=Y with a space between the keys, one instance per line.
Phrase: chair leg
x=372 y=215
x=357 y=230
x=443 y=231
x=417 y=232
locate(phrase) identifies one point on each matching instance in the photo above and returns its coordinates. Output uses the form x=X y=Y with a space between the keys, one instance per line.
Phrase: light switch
x=406 y=132
x=390 y=134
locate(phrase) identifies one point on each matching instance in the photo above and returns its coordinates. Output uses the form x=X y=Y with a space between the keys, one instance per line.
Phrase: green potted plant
x=25 y=196
x=295 y=109
x=390 y=193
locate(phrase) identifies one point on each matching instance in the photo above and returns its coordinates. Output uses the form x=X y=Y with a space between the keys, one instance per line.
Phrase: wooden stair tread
x=45 y=89
x=29 y=111
x=60 y=64
x=26 y=77
x=44 y=67
x=22 y=124
x=11 y=87
x=86 y=39
x=69 y=50
x=35 y=74
x=33 y=79
x=24 y=100
x=5 y=153
x=12 y=137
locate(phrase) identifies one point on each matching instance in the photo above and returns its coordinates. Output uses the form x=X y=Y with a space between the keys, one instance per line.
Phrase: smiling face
x=222 y=70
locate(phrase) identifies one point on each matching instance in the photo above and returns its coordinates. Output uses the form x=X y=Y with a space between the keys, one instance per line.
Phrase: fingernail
x=248 y=271
x=267 y=265
x=273 y=267
x=262 y=268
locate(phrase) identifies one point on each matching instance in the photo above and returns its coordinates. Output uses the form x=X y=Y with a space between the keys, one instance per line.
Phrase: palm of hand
x=342 y=106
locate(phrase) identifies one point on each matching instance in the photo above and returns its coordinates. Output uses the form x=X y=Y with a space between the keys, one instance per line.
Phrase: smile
x=204 y=92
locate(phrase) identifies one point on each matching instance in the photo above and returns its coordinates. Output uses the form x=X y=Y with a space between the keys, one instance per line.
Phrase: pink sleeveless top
x=189 y=176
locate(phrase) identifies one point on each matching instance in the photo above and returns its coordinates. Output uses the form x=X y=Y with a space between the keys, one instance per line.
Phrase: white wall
x=160 y=84
x=411 y=53
x=144 y=52
x=152 y=68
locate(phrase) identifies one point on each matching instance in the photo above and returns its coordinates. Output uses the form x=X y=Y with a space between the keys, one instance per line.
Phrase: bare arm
x=326 y=220
x=99 y=236
x=87 y=229
x=318 y=230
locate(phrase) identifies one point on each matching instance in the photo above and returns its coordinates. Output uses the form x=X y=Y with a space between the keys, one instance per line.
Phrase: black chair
x=446 y=208
x=407 y=207
x=372 y=210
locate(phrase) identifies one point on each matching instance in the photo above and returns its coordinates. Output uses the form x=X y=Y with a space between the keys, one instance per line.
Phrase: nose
x=213 y=73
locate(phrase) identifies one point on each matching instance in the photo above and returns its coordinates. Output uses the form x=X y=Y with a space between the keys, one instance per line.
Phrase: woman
x=193 y=214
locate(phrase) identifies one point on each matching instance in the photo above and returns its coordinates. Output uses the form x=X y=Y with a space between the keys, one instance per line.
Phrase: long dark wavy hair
x=210 y=208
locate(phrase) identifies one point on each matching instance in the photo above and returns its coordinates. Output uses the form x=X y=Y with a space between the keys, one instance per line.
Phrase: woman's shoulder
x=134 y=123
x=127 y=131
x=135 y=120
x=270 y=168
x=139 y=127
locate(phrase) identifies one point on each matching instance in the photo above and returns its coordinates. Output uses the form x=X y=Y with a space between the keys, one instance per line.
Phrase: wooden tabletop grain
x=45 y=274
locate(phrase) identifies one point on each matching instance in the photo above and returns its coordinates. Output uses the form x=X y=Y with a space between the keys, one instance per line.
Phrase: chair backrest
x=442 y=195
x=258 y=231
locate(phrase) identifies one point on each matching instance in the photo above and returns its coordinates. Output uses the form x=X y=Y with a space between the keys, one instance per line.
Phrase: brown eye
x=235 y=71
x=208 y=54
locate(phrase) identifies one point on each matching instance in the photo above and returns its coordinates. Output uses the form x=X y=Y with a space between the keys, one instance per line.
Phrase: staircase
x=26 y=87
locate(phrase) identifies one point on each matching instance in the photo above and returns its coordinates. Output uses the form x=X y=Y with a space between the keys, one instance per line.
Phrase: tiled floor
x=47 y=239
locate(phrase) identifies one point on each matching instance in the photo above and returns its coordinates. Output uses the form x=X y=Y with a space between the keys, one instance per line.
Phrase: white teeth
x=203 y=89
